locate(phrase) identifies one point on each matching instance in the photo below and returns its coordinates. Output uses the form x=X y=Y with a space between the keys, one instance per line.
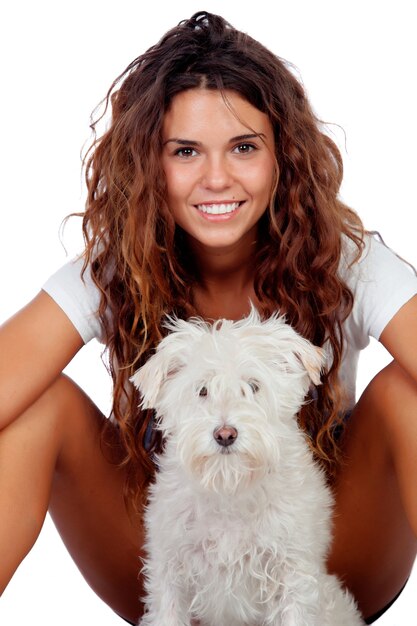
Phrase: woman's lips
x=218 y=211
x=218 y=208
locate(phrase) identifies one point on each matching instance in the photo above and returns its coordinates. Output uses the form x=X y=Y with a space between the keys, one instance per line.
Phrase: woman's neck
x=225 y=282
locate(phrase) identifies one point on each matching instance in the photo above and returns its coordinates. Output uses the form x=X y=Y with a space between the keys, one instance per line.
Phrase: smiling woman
x=213 y=184
x=219 y=182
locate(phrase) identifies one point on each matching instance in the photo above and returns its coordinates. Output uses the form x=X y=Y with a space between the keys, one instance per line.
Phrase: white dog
x=238 y=521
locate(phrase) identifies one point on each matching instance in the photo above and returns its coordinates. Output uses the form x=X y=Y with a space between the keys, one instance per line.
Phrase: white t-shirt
x=380 y=282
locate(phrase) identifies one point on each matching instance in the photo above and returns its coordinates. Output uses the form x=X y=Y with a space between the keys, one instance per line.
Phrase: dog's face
x=226 y=395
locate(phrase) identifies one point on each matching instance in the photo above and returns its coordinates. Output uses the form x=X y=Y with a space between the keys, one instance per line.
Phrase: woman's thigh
x=374 y=544
x=88 y=507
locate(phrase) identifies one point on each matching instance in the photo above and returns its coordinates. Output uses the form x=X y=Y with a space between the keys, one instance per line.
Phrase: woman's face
x=219 y=165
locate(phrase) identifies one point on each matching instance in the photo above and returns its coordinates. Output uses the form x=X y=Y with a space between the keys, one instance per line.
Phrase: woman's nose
x=216 y=174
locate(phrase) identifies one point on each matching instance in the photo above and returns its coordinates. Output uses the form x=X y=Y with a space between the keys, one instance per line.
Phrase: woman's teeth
x=218 y=209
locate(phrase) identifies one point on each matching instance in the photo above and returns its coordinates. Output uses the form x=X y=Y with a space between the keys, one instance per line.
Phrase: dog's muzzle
x=225 y=435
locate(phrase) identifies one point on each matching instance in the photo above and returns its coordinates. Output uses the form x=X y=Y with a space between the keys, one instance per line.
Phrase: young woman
x=213 y=186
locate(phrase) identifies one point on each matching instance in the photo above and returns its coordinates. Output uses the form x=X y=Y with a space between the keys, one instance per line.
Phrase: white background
x=357 y=61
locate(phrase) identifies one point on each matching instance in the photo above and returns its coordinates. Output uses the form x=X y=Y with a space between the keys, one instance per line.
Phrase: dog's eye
x=254 y=385
x=202 y=392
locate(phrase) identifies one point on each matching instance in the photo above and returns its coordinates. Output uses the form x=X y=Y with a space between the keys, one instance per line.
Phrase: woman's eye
x=185 y=152
x=245 y=148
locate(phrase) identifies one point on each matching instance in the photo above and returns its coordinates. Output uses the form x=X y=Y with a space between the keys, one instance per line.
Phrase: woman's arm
x=399 y=337
x=35 y=346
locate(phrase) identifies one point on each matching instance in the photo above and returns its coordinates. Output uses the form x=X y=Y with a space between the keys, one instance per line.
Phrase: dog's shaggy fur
x=238 y=521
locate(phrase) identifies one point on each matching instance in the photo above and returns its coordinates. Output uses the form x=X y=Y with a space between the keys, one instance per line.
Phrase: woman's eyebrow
x=192 y=142
x=183 y=142
x=246 y=137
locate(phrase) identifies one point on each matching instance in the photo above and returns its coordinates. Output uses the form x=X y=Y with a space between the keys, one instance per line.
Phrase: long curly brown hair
x=137 y=254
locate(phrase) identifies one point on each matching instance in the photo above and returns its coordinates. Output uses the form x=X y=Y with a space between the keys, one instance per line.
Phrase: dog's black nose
x=225 y=435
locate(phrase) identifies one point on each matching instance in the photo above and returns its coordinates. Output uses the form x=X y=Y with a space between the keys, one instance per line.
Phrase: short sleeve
x=381 y=283
x=78 y=297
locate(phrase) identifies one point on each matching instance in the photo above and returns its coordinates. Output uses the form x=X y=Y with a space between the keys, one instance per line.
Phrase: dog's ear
x=171 y=354
x=149 y=378
x=313 y=360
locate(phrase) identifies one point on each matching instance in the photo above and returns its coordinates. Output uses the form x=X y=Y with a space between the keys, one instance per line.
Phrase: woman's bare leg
x=51 y=457
x=375 y=522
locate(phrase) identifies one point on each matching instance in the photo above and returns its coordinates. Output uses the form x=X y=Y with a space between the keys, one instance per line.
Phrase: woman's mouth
x=218 y=208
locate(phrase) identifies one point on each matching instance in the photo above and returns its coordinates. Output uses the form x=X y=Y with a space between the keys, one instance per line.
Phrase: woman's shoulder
x=73 y=289
x=380 y=281
x=367 y=262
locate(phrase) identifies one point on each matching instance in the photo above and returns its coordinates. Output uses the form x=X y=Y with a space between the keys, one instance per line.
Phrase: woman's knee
x=385 y=416
x=39 y=429
x=75 y=416
x=49 y=429
x=54 y=406
x=388 y=387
